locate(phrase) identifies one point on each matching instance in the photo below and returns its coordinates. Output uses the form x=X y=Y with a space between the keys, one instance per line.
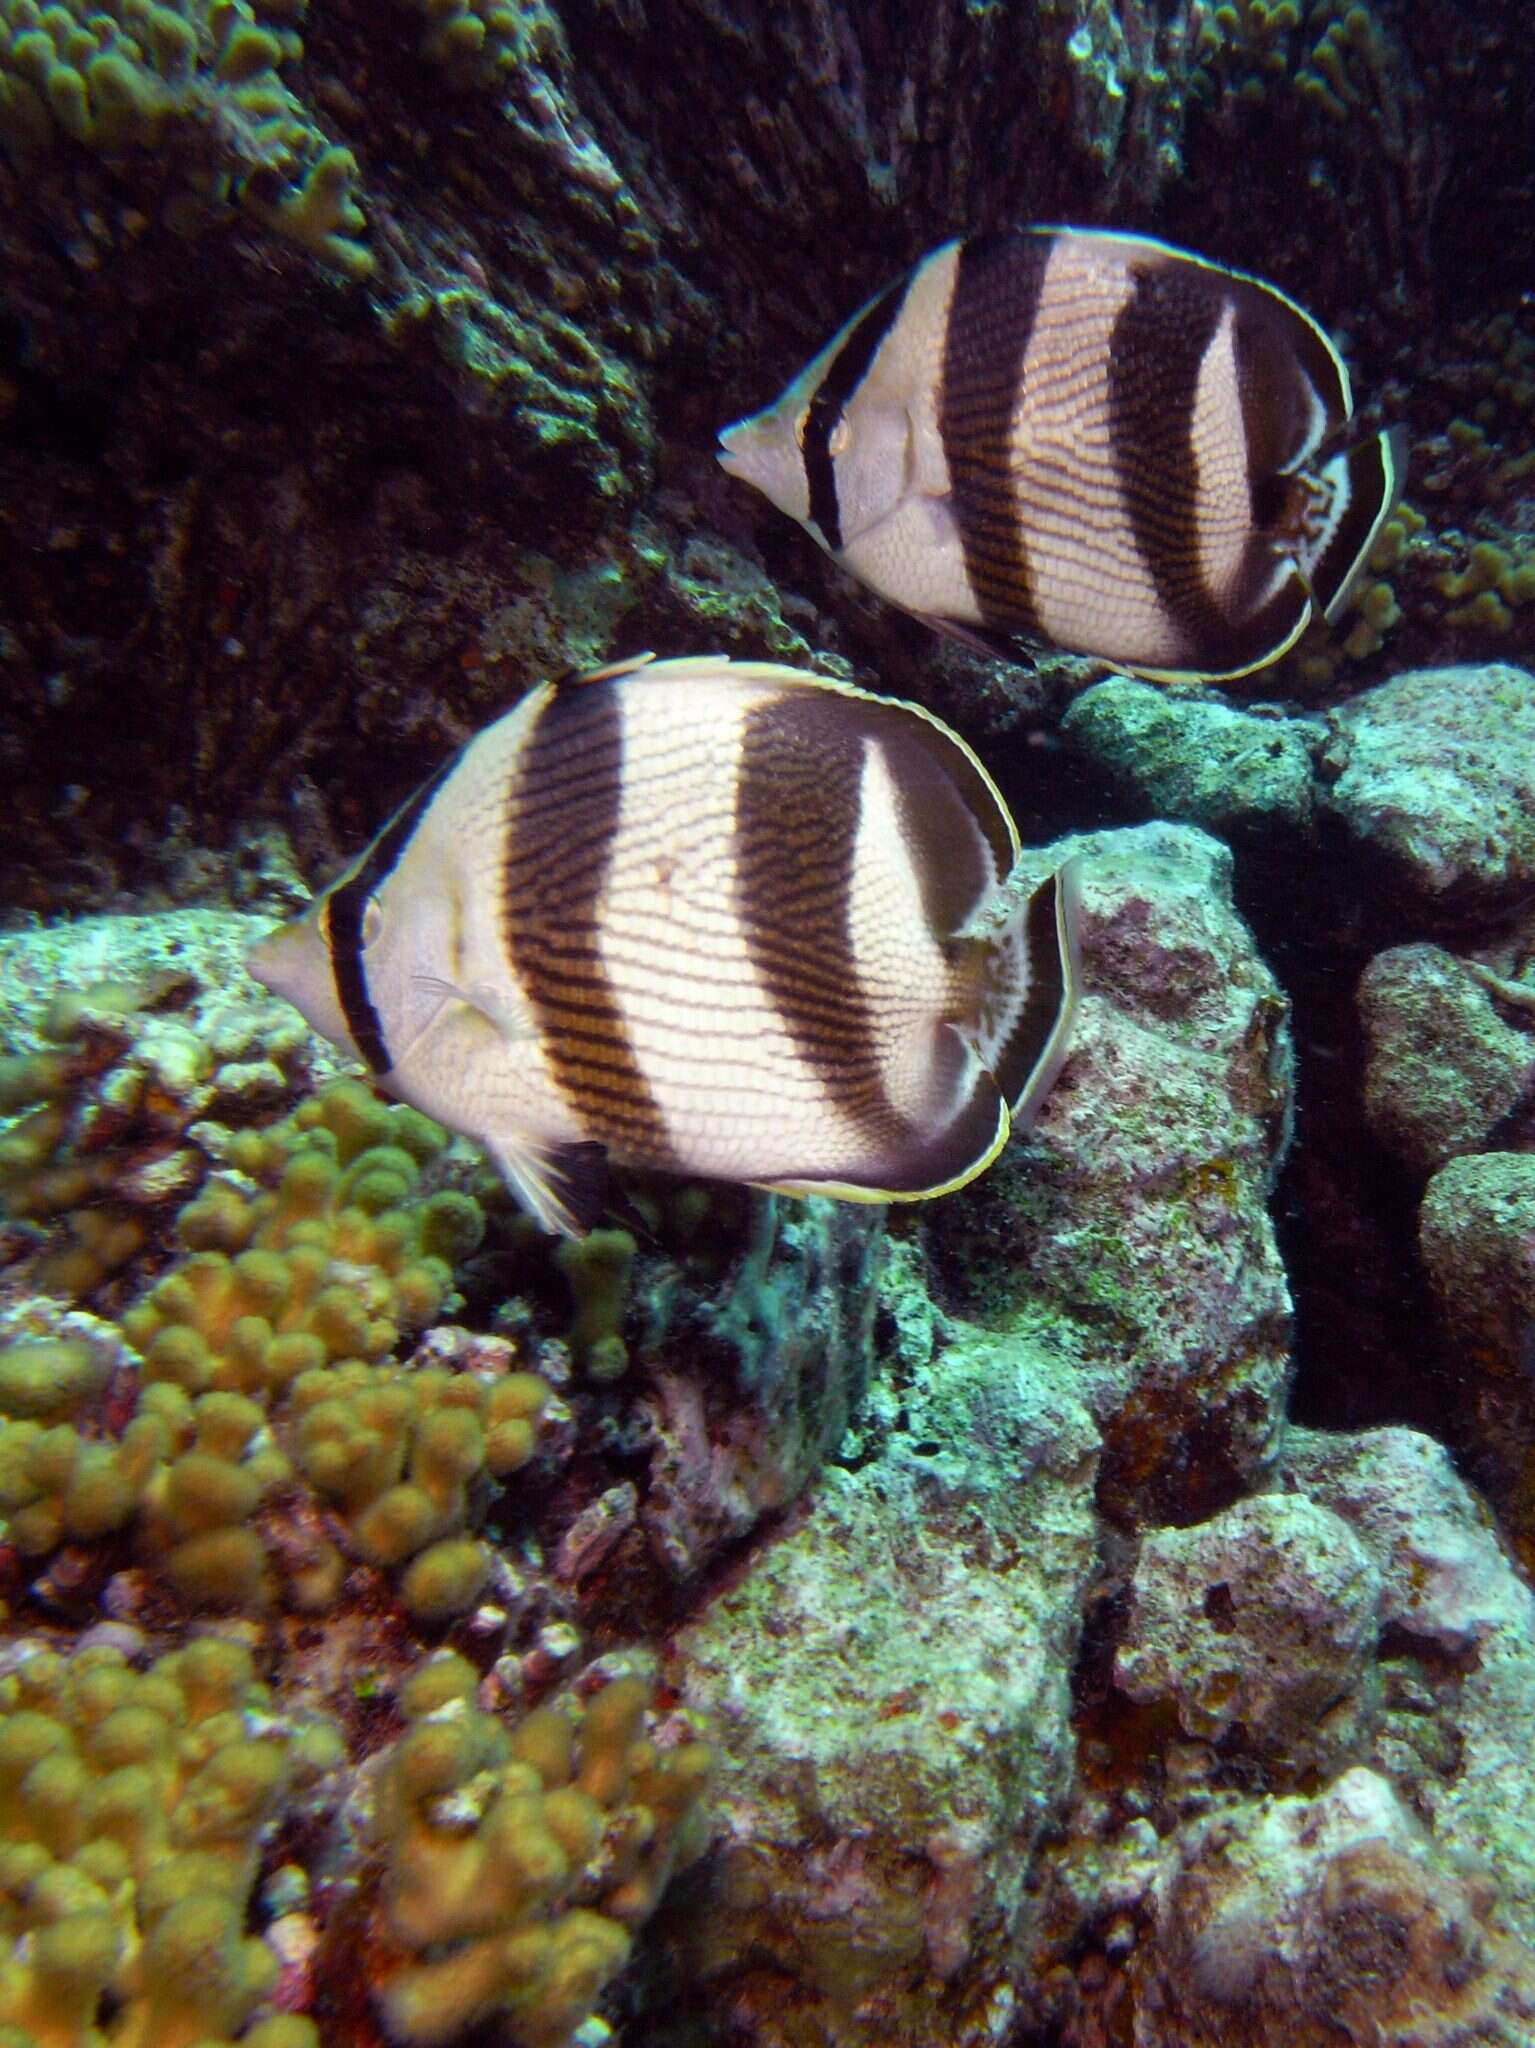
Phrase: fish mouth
x=763 y=452
x=734 y=451
x=281 y=960
x=263 y=960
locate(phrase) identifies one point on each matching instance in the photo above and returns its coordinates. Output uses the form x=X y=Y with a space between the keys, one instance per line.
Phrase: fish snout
x=764 y=452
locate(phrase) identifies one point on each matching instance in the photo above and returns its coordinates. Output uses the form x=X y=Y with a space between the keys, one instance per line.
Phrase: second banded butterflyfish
x=1086 y=439
x=719 y=918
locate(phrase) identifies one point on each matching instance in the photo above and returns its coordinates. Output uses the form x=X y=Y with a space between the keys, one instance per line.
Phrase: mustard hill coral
x=1332 y=55
x=196 y=79
x=398 y=1452
x=97 y=1112
x=597 y=1268
x=521 y=1861
x=132 y=1810
x=268 y=1354
x=1495 y=581
x=337 y=1260
x=475 y=41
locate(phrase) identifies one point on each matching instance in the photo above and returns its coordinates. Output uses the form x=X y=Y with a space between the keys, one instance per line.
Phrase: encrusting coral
x=521 y=1861
x=132 y=1811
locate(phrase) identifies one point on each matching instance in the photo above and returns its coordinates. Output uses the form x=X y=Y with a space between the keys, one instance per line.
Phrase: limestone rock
x=1434 y=775
x=1444 y=1070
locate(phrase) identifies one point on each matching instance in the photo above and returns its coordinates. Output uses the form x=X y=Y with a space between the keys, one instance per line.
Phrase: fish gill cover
x=1091 y=1606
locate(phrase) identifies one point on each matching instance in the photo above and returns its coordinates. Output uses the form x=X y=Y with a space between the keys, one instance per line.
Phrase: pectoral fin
x=511 y=1021
x=562 y=1187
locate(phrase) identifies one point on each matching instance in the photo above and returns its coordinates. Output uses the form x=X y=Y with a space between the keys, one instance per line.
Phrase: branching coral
x=398 y=1452
x=197 y=80
x=336 y=1260
x=132 y=1811
x=520 y=1862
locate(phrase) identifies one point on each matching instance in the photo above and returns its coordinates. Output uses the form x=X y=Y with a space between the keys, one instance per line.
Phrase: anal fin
x=986 y=641
x=562 y=1187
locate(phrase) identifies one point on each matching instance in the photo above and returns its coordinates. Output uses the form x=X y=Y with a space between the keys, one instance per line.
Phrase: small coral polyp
x=521 y=1861
x=132 y=1812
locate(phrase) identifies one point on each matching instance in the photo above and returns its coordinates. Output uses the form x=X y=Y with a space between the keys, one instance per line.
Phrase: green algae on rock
x=1432 y=775
x=1189 y=757
x=885 y=1787
x=1132 y=1229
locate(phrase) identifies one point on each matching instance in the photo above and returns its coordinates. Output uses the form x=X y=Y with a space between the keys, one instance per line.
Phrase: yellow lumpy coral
x=337 y=1260
x=123 y=77
x=475 y=41
x=268 y=1356
x=397 y=1452
x=132 y=1808
x=492 y=1835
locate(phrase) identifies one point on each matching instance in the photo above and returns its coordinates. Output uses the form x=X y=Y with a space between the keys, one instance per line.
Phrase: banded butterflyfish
x=1086 y=439
x=718 y=918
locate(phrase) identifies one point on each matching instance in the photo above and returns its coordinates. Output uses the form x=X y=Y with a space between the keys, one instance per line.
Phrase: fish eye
x=372 y=923
x=838 y=439
x=800 y=424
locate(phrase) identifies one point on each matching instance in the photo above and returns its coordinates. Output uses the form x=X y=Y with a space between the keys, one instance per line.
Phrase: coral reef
x=1265 y=1620
x=132 y=1809
x=197 y=83
x=270 y=1349
x=1134 y=1231
x=357 y=369
x=1189 y=756
x=885 y=1787
x=1201 y=1893
x=117 y=1082
x=520 y=1863
x=1448 y=1070
x=1477 y=1236
x=1431 y=777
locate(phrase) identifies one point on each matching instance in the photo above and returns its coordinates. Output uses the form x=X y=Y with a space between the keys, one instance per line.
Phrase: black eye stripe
x=843 y=376
x=346 y=909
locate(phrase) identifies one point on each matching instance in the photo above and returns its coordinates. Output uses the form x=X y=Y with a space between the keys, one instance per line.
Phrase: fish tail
x=1361 y=484
x=1031 y=977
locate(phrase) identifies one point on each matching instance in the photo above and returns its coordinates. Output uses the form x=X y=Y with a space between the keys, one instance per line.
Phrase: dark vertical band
x=561 y=826
x=798 y=804
x=346 y=908
x=998 y=283
x=1029 y=1040
x=844 y=373
x=1156 y=352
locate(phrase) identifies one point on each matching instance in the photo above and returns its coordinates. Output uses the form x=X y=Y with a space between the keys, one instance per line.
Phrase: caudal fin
x=1363 y=483
x=1034 y=980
